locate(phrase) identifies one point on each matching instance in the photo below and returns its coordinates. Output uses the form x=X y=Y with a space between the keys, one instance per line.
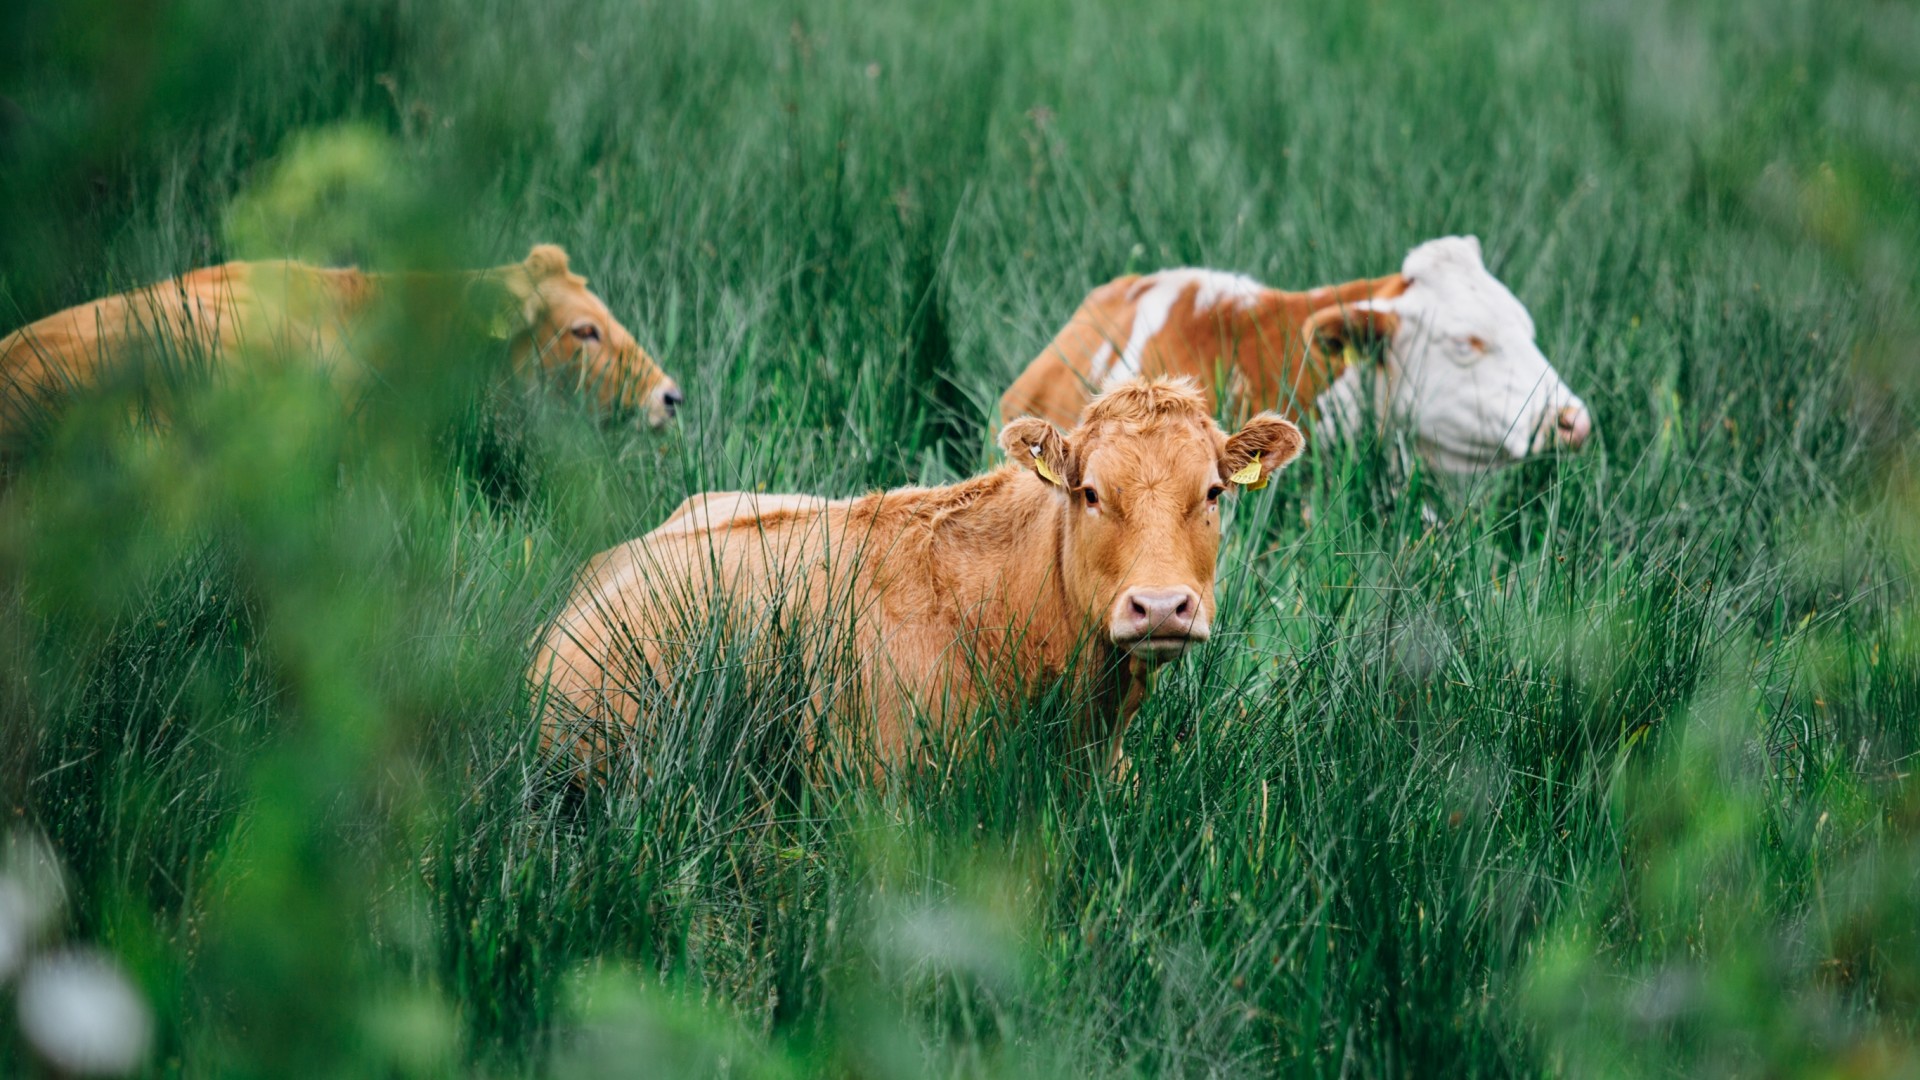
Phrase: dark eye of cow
x=1092 y=497
x=1214 y=493
x=587 y=332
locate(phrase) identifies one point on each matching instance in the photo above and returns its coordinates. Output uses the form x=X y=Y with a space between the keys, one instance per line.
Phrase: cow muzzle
x=1563 y=427
x=1158 y=624
x=1571 y=426
x=663 y=402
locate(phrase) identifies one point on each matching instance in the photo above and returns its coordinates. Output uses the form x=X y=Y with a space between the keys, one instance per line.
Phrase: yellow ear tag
x=1249 y=476
x=1350 y=356
x=1047 y=474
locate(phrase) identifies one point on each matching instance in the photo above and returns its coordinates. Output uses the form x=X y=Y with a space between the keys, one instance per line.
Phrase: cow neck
x=1276 y=320
x=351 y=292
x=996 y=542
x=1035 y=574
x=466 y=281
x=1265 y=339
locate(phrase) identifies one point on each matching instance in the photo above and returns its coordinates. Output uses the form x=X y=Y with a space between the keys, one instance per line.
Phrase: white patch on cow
x=1150 y=312
x=1102 y=362
x=1360 y=396
x=1153 y=299
x=1217 y=287
x=1343 y=406
x=1463 y=370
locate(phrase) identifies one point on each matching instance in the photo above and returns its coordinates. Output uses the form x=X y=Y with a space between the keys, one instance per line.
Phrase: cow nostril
x=673 y=397
x=1139 y=608
x=1575 y=426
x=1186 y=605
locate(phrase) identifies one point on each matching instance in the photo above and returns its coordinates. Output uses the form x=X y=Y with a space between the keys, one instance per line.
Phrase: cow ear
x=513 y=301
x=545 y=261
x=1347 y=332
x=1263 y=447
x=1038 y=445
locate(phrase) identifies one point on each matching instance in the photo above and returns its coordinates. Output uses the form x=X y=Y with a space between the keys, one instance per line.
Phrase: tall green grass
x=1599 y=767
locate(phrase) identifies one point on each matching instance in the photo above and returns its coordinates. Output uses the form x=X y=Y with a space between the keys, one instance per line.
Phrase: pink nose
x=1172 y=614
x=1573 y=426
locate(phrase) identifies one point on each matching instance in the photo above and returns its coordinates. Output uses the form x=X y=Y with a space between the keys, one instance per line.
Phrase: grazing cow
x=1460 y=365
x=1089 y=554
x=545 y=310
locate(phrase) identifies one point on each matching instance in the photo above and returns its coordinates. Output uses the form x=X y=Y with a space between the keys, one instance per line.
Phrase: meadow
x=1598 y=766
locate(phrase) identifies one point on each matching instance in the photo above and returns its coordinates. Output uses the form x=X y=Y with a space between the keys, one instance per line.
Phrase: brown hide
x=1260 y=347
x=991 y=586
x=220 y=310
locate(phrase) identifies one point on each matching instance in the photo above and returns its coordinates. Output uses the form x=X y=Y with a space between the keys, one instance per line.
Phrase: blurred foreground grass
x=1608 y=772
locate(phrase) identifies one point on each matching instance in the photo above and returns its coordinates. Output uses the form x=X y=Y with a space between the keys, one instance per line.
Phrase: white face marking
x=1153 y=299
x=1463 y=370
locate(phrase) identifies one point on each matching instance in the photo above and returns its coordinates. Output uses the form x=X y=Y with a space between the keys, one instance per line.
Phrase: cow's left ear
x=519 y=304
x=503 y=301
x=1263 y=447
x=1038 y=445
x=1343 y=333
x=545 y=261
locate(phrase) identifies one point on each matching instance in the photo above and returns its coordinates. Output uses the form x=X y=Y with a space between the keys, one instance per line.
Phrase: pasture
x=1597 y=766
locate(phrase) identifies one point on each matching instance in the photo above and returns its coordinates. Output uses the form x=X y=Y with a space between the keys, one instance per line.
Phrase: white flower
x=32 y=891
x=13 y=929
x=83 y=1015
x=31 y=871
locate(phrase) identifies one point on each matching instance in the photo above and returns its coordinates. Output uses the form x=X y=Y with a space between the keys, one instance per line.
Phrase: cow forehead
x=567 y=301
x=1467 y=300
x=1168 y=455
x=570 y=297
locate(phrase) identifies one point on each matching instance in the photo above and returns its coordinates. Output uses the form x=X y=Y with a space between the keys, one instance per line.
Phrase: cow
x=1089 y=555
x=539 y=306
x=1458 y=365
x=726 y=509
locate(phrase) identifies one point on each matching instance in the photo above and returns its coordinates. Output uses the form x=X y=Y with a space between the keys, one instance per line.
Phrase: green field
x=1599 y=767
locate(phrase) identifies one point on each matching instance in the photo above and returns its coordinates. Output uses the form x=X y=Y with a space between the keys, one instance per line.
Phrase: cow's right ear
x=1038 y=445
x=1349 y=331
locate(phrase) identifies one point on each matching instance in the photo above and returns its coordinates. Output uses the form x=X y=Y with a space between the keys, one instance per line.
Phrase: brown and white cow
x=1089 y=554
x=1460 y=365
x=544 y=309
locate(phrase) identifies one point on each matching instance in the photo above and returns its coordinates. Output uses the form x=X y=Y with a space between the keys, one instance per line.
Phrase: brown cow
x=1090 y=554
x=1460 y=365
x=545 y=310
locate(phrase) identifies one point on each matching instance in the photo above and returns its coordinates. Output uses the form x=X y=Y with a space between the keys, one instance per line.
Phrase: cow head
x=574 y=335
x=1140 y=482
x=1460 y=365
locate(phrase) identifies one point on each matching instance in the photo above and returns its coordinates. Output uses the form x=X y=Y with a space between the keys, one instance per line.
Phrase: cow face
x=574 y=335
x=1461 y=367
x=1140 y=481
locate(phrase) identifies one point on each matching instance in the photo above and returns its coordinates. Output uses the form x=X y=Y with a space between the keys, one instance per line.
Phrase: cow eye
x=1476 y=343
x=586 y=331
x=1092 y=496
x=1214 y=493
